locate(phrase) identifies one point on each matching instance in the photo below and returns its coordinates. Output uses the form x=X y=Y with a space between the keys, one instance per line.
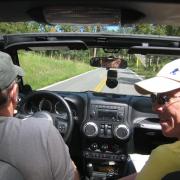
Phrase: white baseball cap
x=166 y=80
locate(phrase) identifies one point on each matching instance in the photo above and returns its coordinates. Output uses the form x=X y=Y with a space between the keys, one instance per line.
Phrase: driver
x=165 y=93
x=32 y=145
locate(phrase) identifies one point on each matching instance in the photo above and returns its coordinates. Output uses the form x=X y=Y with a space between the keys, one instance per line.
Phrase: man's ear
x=14 y=94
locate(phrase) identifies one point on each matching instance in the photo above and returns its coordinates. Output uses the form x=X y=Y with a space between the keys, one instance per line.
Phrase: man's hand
x=130 y=177
x=76 y=174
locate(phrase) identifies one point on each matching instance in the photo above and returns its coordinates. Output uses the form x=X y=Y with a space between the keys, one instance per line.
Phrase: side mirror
x=108 y=62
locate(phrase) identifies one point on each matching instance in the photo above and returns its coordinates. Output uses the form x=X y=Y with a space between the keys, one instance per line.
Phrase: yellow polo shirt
x=163 y=160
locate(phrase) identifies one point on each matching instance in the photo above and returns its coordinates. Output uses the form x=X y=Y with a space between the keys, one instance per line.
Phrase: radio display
x=107 y=114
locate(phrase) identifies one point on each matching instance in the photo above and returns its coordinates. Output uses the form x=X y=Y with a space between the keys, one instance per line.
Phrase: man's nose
x=157 y=108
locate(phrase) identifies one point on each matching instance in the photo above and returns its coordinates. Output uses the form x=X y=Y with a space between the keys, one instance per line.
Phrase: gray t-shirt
x=35 y=148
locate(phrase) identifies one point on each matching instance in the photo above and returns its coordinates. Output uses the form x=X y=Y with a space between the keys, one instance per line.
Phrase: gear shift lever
x=90 y=169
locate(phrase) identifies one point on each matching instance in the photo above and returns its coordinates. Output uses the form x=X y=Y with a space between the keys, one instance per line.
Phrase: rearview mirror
x=108 y=62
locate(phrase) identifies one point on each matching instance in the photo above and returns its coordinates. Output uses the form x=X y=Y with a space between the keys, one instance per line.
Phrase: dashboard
x=107 y=128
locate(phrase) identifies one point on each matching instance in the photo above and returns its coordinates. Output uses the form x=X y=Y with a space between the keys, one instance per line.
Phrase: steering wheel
x=65 y=127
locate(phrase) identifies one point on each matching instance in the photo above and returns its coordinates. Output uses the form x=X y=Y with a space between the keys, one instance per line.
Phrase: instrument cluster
x=51 y=106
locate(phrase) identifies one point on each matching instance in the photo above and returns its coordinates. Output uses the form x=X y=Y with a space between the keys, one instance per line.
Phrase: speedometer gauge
x=45 y=105
x=59 y=109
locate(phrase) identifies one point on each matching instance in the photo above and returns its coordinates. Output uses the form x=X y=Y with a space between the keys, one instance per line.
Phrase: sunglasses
x=161 y=99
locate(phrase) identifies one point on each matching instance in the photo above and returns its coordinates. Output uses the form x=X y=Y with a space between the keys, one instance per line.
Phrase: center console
x=106 y=133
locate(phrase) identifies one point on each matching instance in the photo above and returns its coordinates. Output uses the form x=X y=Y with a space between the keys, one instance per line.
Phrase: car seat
x=172 y=176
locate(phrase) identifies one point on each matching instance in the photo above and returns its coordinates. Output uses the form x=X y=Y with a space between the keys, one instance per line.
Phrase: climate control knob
x=121 y=132
x=90 y=129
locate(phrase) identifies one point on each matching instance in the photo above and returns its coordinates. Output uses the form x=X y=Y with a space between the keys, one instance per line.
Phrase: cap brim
x=19 y=70
x=156 y=85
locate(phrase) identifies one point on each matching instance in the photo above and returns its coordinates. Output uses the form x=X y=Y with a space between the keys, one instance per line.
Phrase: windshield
x=69 y=70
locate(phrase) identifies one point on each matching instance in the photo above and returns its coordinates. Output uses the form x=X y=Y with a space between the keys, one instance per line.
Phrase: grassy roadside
x=141 y=71
x=41 y=71
x=151 y=69
x=144 y=72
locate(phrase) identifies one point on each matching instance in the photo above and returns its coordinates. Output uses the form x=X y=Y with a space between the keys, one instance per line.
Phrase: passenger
x=164 y=89
x=32 y=145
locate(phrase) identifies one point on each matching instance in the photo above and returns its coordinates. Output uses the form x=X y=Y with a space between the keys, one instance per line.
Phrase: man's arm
x=63 y=168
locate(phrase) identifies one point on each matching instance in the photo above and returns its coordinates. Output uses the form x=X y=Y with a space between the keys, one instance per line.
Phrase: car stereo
x=106 y=122
x=104 y=112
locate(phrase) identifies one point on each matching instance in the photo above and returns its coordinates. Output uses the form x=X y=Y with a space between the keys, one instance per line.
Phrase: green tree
x=20 y=27
x=172 y=30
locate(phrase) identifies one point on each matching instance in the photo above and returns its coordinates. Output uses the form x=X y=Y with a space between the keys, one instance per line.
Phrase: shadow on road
x=126 y=80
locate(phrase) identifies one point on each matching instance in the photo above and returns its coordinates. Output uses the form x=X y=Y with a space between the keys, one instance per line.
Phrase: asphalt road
x=95 y=80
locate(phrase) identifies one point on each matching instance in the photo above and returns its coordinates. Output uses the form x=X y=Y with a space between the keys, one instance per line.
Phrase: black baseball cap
x=8 y=71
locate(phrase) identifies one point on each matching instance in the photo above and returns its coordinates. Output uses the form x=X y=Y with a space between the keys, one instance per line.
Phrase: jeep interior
x=101 y=128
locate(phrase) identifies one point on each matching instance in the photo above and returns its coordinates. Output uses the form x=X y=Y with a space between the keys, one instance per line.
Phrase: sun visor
x=49 y=45
x=85 y=15
x=154 y=50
